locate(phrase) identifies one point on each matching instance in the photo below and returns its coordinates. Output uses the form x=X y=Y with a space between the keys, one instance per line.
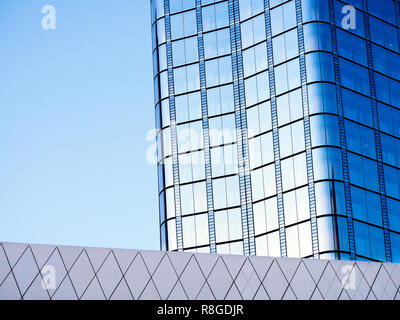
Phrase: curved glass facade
x=278 y=127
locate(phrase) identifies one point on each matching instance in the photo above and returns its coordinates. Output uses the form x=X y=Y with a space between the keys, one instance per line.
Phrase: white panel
x=317 y=295
x=81 y=274
x=206 y=262
x=41 y=253
x=97 y=256
x=36 y=291
x=109 y=275
x=288 y=266
x=192 y=279
x=137 y=276
x=369 y=270
x=152 y=259
x=25 y=270
x=315 y=267
x=289 y=295
x=247 y=281
x=205 y=293
x=220 y=280
x=165 y=278
x=178 y=293
x=302 y=283
x=121 y=292
x=9 y=289
x=261 y=265
x=179 y=260
x=65 y=291
x=125 y=257
x=55 y=262
x=275 y=282
x=4 y=266
x=93 y=292
x=14 y=251
x=261 y=294
x=233 y=294
x=234 y=263
x=383 y=286
x=393 y=270
x=150 y=292
x=69 y=255
x=329 y=285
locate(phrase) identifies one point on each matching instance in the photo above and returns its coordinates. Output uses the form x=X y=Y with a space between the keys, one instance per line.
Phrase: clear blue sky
x=76 y=104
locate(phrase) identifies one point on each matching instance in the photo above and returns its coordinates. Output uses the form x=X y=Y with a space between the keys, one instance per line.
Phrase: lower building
x=29 y=271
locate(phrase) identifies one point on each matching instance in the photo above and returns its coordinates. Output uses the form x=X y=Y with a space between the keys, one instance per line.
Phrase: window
x=222 y=130
x=366 y=206
x=180 y=5
x=218 y=71
x=217 y=43
x=191 y=166
x=324 y=130
x=390 y=150
x=188 y=107
x=352 y=47
x=392 y=182
x=184 y=51
x=287 y=76
x=190 y=136
x=265 y=216
x=193 y=198
x=263 y=182
x=359 y=29
x=195 y=230
x=322 y=98
x=354 y=77
x=294 y=172
x=226 y=192
x=289 y=107
x=224 y=160
x=186 y=78
x=259 y=119
x=228 y=225
x=319 y=67
x=291 y=139
x=220 y=100
x=315 y=10
x=249 y=8
x=387 y=90
x=360 y=139
x=317 y=36
x=369 y=241
x=215 y=16
x=171 y=227
x=285 y=46
x=357 y=107
x=283 y=17
x=329 y=198
x=386 y=62
x=253 y=31
x=296 y=206
x=363 y=172
x=389 y=119
x=327 y=164
x=255 y=59
x=183 y=24
x=257 y=88
x=384 y=34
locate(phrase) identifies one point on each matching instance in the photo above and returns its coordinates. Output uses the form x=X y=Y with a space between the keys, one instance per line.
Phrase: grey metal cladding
x=61 y=272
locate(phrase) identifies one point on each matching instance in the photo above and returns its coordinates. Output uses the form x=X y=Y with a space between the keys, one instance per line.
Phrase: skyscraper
x=278 y=127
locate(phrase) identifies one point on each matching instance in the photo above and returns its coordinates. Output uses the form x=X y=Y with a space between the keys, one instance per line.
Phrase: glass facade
x=279 y=127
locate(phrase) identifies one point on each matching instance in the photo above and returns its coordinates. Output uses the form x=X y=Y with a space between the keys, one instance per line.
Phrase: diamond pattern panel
x=120 y=274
